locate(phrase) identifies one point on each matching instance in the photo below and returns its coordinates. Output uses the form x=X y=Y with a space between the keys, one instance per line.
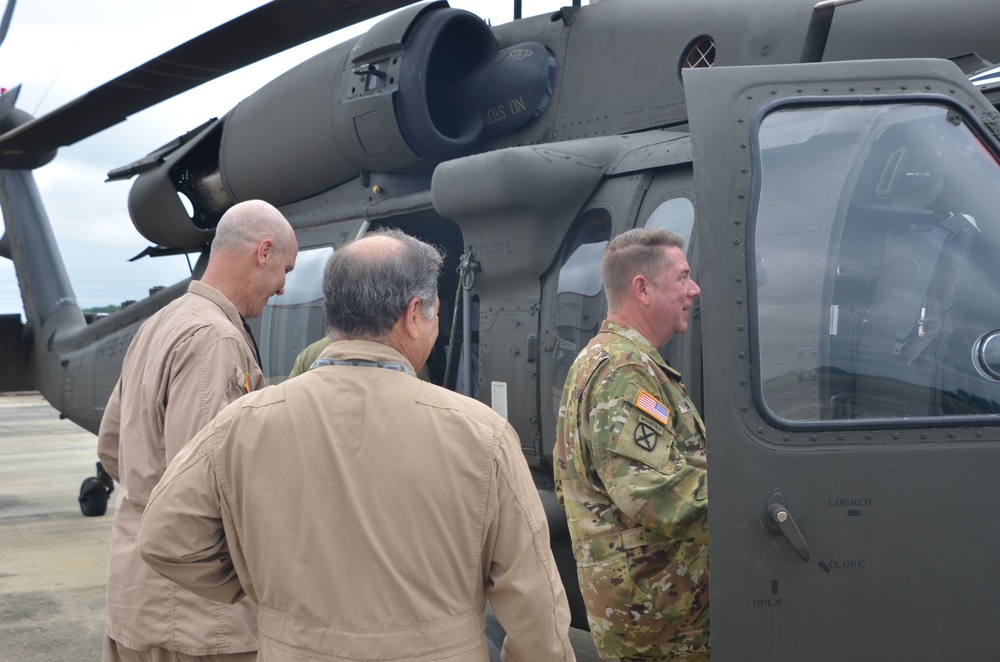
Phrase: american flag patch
x=653 y=407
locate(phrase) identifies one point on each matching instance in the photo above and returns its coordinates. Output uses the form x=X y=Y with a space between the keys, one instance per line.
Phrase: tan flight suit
x=186 y=363
x=369 y=513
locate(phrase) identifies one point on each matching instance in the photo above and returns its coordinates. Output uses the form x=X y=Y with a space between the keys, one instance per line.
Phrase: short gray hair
x=630 y=254
x=366 y=291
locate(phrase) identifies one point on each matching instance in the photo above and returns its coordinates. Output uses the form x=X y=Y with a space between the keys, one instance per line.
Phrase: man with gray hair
x=630 y=464
x=186 y=363
x=370 y=514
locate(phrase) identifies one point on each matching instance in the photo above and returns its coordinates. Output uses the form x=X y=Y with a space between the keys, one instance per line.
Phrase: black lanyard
x=253 y=341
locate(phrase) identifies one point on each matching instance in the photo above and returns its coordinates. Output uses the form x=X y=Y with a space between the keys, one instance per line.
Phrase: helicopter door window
x=875 y=255
x=294 y=319
x=579 y=302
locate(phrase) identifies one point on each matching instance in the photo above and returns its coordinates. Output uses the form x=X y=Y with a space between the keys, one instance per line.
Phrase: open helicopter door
x=849 y=236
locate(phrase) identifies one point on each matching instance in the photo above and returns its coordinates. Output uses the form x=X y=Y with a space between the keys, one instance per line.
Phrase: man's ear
x=640 y=288
x=411 y=316
x=265 y=249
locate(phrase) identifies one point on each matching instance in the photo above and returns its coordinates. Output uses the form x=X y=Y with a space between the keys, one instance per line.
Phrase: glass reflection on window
x=294 y=319
x=580 y=303
x=674 y=215
x=877 y=280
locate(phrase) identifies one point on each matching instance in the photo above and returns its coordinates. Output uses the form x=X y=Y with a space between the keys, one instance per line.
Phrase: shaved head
x=246 y=224
x=254 y=248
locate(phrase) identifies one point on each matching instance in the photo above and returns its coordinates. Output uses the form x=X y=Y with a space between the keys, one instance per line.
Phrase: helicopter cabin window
x=580 y=304
x=294 y=319
x=674 y=215
x=877 y=283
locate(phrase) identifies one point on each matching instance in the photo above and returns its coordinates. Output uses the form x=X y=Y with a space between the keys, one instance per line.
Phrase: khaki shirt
x=370 y=514
x=630 y=471
x=186 y=363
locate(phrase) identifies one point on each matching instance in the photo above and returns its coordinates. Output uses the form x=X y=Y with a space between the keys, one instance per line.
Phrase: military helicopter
x=833 y=167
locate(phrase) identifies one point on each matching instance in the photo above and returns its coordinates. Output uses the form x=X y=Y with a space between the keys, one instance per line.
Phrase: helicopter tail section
x=28 y=241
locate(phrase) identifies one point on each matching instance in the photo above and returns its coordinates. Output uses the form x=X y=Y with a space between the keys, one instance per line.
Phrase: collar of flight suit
x=220 y=300
x=365 y=350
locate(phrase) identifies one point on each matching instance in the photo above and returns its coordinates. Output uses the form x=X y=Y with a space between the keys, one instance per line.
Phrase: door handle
x=780 y=520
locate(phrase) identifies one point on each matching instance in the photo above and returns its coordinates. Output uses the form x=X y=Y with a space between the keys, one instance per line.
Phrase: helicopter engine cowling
x=407 y=92
x=427 y=84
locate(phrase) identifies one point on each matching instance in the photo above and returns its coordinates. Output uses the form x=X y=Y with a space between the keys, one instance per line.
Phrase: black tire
x=494 y=637
x=93 y=497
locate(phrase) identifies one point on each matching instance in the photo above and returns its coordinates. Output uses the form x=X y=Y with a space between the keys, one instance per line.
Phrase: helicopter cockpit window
x=294 y=319
x=579 y=299
x=877 y=280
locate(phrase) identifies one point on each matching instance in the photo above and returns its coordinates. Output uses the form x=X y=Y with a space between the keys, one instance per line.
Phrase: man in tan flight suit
x=186 y=363
x=370 y=514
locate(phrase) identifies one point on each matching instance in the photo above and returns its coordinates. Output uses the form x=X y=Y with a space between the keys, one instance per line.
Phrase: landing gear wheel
x=93 y=498
x=94 y=493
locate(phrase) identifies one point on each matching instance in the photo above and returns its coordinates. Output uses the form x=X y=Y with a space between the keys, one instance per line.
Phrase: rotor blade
x=270 y=29
x=5 y=21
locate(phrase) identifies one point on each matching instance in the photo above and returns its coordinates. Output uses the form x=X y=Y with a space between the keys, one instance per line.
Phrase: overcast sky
x=60 y=49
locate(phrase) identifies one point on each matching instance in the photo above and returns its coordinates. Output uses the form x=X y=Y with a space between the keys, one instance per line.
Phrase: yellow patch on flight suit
x=240 y=383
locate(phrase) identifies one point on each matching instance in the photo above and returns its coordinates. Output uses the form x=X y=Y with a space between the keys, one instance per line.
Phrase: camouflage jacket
x=630 y=473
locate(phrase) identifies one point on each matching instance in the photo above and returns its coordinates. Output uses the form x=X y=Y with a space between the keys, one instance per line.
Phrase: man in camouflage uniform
x=630 y=463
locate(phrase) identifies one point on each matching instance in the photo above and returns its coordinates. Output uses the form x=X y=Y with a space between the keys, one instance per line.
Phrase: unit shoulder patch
x=647 y=433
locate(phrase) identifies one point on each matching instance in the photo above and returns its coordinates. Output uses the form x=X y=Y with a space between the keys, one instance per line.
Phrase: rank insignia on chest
x=653 y=407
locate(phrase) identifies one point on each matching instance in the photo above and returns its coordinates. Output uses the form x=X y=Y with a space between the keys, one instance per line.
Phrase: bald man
x=186 y=363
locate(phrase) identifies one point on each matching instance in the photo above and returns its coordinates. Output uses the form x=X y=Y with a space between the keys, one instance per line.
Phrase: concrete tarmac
x=53 y=560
